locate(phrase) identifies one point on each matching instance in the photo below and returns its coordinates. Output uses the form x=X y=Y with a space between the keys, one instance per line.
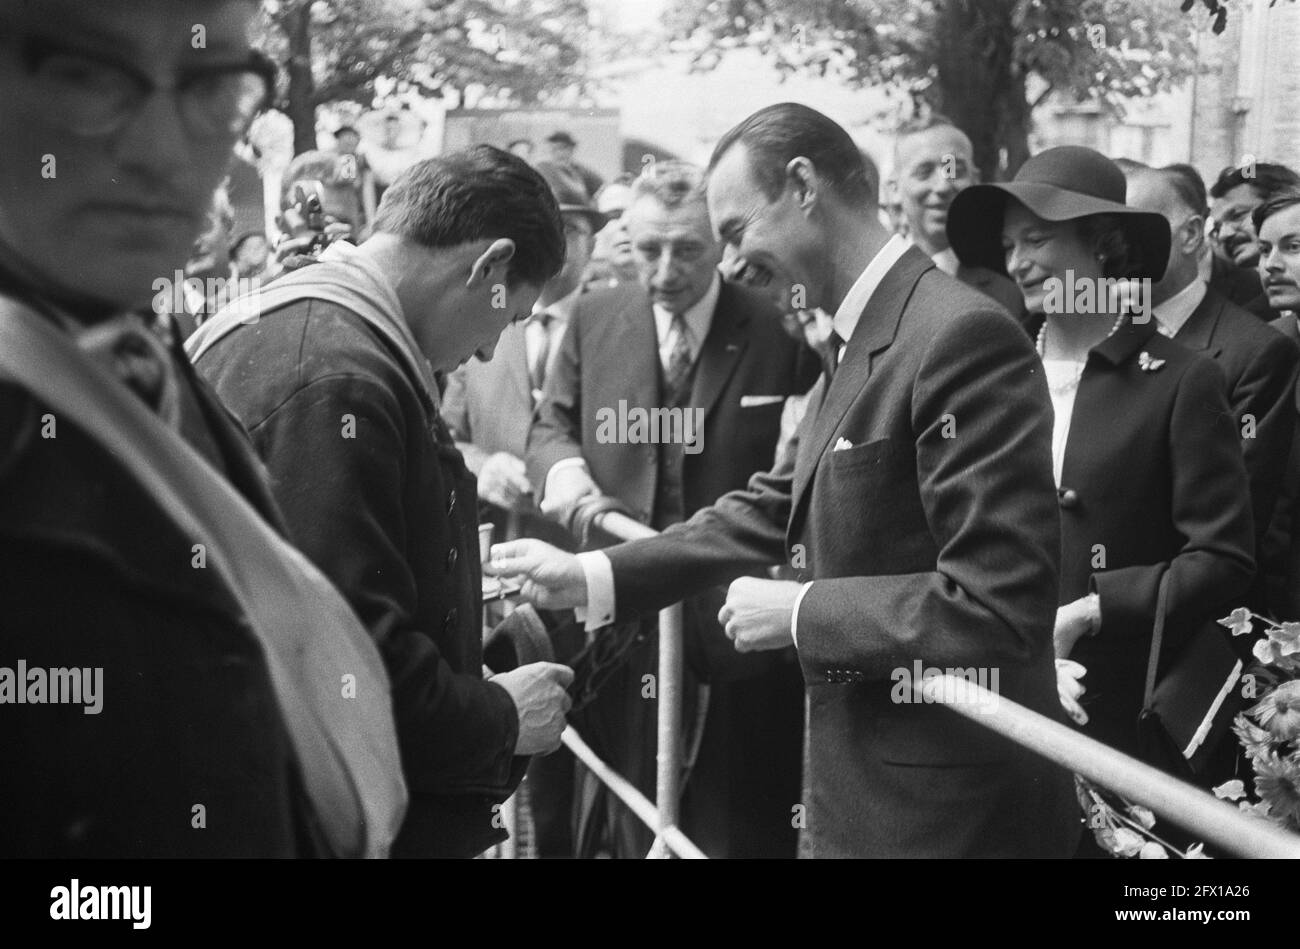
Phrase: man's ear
x=802 y=178
x=1193 y=235
x=492 y=264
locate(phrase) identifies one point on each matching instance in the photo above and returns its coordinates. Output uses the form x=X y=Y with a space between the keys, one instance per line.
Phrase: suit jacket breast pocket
x=872 y=455
x=873 y=487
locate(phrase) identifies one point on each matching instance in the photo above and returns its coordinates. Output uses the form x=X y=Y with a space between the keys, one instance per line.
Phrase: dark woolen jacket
x=376 y=494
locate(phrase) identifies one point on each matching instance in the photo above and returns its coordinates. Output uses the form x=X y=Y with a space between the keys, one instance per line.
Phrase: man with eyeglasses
x=139 y=545
x=1235 y=194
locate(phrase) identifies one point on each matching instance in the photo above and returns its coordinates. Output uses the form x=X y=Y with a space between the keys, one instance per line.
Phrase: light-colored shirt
x=595 y=564
x=946 y=260
x=697 y=320
x=1063 y=377
x=1172 y=315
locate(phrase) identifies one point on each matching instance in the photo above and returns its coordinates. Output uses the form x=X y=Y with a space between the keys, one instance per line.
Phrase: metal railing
x=662 y=816
x=1209 y=819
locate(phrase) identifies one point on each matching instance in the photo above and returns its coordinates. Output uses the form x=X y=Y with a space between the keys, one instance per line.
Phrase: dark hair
x=1279 y=202
x=1268 y=179
x=775 y=135
x=1188 y=185
x=1105 y=236
x=476 y=194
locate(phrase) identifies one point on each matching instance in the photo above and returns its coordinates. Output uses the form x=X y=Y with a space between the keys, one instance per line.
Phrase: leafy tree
x=985 y=63
x=521 y=51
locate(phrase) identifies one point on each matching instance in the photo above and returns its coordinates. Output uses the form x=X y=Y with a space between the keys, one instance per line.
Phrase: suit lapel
x=636 y=355
x=721 y=351
x=875 y=331
x=1198 y=332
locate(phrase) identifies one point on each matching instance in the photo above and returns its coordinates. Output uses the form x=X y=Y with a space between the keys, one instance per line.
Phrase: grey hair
x=671 y=183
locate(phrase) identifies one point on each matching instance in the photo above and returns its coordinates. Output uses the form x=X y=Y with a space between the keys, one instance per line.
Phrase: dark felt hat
x=1059 y=184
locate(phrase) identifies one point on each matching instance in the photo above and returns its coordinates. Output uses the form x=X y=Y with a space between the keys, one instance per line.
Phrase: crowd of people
x=1042 y=428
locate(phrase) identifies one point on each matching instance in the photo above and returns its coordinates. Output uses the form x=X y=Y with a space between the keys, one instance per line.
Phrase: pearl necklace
x=1041 y=343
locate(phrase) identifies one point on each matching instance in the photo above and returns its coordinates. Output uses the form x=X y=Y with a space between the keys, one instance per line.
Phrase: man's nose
x=1270 y=262
x=666 y=266
x=155 y=141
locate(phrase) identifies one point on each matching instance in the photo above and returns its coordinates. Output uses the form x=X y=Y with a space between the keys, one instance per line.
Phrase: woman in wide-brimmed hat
x=1145 y=450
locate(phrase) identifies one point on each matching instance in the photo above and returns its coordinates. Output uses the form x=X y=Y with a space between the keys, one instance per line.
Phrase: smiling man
x=917 y=509
x=933 y=161
x=682 y=342
x=134 y=521
x=335 y=383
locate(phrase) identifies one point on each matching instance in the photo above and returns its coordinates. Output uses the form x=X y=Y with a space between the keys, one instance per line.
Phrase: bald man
x=1260 y=364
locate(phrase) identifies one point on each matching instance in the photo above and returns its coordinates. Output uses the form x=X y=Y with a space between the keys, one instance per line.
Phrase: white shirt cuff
x=599 y=572
x=794 y=614
x=573 y=462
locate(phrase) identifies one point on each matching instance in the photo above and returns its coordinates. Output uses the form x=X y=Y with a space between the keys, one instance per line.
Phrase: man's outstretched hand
x=551 y=579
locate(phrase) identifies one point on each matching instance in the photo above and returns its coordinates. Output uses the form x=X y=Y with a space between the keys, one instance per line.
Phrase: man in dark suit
x=684 y=341
x=193 y=752
x=933 y=160
x=1260 y=367
x=335 y=383
x=919 y=508
x=1277 y=221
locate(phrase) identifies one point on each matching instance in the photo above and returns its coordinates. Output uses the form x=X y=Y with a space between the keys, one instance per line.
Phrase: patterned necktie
x=678 y=368
x=537 y=364
x=128 y=349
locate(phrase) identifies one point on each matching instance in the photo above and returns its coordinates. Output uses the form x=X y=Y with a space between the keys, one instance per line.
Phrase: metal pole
x=667 y=790
x=629 y=795
x=1210 y=819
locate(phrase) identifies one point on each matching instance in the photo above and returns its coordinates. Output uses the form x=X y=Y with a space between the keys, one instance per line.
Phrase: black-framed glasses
x=93 y=95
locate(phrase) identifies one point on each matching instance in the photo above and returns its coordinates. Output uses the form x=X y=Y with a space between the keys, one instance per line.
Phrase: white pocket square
x=842 y=444
x=749 y=401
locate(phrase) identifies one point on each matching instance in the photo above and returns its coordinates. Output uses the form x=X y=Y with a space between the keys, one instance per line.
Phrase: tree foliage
x=518 y=51
x=985 y=63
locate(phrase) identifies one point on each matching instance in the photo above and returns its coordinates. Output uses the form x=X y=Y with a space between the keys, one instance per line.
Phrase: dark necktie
x=831 y=359
x=537 y=364
x=678 y=368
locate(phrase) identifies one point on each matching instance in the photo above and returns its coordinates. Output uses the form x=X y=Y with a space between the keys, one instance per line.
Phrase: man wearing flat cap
x=562 y=165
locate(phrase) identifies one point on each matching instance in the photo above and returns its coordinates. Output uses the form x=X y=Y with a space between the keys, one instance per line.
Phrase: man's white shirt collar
x=855 y=301
x=698 y=318
x=1173 y=314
